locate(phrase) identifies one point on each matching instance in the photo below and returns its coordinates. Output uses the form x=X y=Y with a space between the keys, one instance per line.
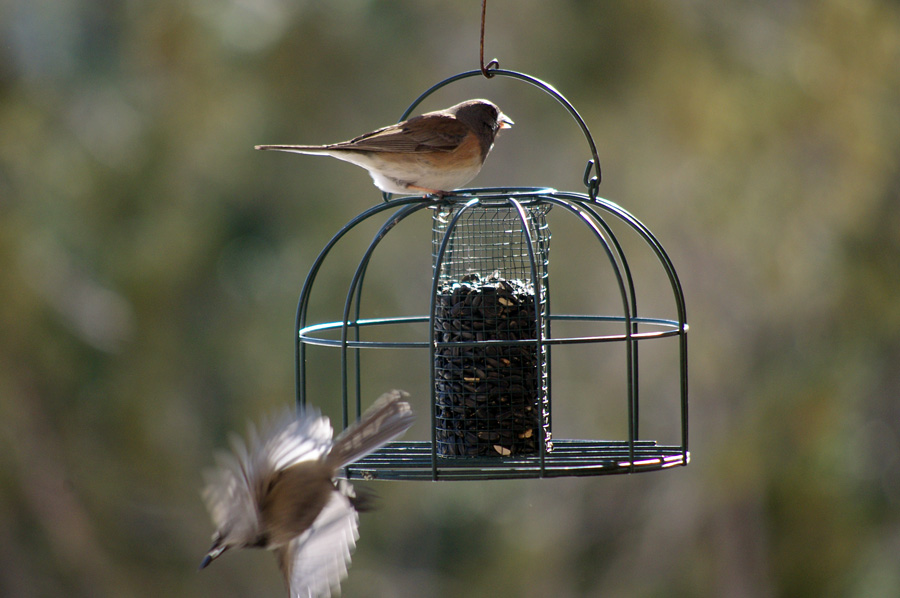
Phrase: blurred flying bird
x=279 y=492
x=434 y=153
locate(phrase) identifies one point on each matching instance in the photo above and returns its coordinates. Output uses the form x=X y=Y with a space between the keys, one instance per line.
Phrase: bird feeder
x=489 y=332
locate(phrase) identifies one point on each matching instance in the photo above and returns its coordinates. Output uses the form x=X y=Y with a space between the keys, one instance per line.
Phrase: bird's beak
x=217 y=549
x=504 y=121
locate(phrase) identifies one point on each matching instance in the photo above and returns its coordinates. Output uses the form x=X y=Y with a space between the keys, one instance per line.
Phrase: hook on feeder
x=493 y=64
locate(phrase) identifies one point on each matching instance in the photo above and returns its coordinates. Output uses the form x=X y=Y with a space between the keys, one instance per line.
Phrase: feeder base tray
x=414 y=460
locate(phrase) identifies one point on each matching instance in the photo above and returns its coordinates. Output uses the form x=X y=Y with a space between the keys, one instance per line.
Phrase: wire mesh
x=490 y=364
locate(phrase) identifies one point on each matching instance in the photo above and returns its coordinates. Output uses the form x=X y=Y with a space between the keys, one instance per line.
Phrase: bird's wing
x=315 y=562
x=426 y=133
x=234 y=488
x=290 y=438
x=229 y=493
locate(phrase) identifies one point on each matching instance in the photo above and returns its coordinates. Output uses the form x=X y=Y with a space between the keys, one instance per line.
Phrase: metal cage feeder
x=490 y=334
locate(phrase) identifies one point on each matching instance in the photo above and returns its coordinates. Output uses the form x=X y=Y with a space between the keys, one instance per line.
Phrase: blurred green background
x=150 y=263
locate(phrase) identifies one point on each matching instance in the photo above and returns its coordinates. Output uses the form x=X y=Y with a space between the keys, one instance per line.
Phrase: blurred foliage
x=150 y=262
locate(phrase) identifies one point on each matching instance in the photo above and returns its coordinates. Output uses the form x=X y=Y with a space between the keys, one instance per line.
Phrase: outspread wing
x=290 y=438
x=234 y=488
x=229 y=493
x=315 y=563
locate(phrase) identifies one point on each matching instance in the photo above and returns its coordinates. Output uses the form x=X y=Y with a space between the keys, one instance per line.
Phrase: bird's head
x=220 y=544
x=482 y=115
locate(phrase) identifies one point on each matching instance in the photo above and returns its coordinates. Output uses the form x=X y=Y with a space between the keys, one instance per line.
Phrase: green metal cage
x=489 y=332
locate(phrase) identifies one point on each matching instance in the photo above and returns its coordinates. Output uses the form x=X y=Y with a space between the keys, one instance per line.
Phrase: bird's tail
x=313 y=150
x=387 y=418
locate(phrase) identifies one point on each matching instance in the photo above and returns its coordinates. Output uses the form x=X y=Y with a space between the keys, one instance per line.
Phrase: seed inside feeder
x=488 y=394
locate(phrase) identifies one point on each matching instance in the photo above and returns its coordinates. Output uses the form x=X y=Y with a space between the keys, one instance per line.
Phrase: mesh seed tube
x=490 y=314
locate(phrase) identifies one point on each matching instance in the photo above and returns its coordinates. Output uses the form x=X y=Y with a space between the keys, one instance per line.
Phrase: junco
x=280 y=492
x=433 y=153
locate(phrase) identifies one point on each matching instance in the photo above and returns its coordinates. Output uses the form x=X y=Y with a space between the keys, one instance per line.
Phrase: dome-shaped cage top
x=491 y=337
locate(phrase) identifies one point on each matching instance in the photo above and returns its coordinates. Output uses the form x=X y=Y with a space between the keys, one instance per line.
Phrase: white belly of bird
x=419 y=173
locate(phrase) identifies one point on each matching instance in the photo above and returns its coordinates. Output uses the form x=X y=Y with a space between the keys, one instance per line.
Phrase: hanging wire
x=493 y=64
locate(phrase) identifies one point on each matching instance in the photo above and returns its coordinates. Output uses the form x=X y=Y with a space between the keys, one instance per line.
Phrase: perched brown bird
x=280 y=493
x=433 y=153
